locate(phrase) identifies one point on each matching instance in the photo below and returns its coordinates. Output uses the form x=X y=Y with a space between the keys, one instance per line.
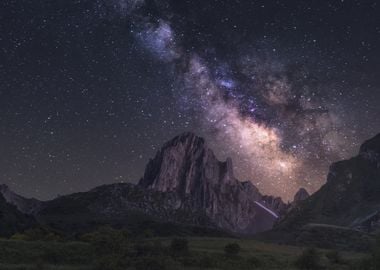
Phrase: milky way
x=90 y=90
x=229 y=119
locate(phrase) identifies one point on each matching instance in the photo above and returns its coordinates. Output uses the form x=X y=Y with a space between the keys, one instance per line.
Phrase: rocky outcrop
x=300 y=195
x=350 y=197
x=25 y=205
x=186 y=167
x=123 y=205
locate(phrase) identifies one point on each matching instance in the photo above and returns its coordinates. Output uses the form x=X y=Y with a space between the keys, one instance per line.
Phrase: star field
x=89 y=90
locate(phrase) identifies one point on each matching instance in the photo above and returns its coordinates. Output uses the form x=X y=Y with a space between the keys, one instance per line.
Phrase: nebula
x=256 y=108
x=257 y=144
x=159 y=39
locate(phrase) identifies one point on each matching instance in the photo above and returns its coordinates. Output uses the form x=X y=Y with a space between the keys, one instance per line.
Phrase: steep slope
x=344 y=210
x=300 y=195
x=123 y=205
x=188 y=168
x=184 y=187
x=350 y=199
x=25 y=205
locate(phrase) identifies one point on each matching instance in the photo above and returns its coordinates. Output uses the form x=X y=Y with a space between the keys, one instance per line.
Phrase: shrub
x=334 y=257
x=157 y=263
x=38 y=265
x=179 y=245
x=37 y=234
x=362 y=264
x=206 y=261
x=148 y=233
x=309 y=260
x=253 y=262
x=232 y=249
x=53 y=256
x=107 y=240
x=112 y=262
x=146 y=249
x=376 y=254
x=19 y=237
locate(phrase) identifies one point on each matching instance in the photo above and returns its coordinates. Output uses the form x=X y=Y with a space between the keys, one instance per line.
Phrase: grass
x=38 y=255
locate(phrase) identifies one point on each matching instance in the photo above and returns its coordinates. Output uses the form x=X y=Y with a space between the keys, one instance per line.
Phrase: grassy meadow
x=114 y=251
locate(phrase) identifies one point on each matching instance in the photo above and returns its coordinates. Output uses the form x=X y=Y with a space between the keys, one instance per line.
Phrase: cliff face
x=350 y=197
x=187 y=167
x=184 y=184
x=123 y=205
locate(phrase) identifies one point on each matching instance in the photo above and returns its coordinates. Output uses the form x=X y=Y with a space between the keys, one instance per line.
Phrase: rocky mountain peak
x=187 y=139
x=27 y=206
x=301 y=195
x=370 y=150
x=186 y=167
x=4 y=188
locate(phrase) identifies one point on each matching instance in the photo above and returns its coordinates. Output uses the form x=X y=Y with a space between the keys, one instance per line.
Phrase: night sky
x=90 y=89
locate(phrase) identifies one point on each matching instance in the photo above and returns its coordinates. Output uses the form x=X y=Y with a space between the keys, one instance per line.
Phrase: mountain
x=186 y=167
x=300 y=195
x=25 y=205
x=12 y=220
x=185 y=189
x=348 y=202
x=124 y=206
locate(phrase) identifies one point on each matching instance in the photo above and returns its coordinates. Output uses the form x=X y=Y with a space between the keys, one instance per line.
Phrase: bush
x=157 y=263
x=207 y=261
x=253 y=262
x=179 y=246
x=112 y=262
x=148 y=233
x=232 y=249
x=334 y=257
x=309 y=260
x=38 y=265
x=363 y=264
x=376 y=254
x=107 y=240
x=146 y=249
x=37 y=234
x=19 y=237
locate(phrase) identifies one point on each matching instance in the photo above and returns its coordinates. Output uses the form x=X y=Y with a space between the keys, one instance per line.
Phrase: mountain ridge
x=184 y=184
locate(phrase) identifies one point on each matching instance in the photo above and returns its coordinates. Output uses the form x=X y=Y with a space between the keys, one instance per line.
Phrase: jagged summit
x=183 y=184
x=187 y=167
x=301 y=195
x=371 y=145
x=184 y=164
x=187 y=138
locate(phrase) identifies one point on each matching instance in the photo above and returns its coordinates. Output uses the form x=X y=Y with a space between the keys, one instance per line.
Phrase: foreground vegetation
x=109 y=249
